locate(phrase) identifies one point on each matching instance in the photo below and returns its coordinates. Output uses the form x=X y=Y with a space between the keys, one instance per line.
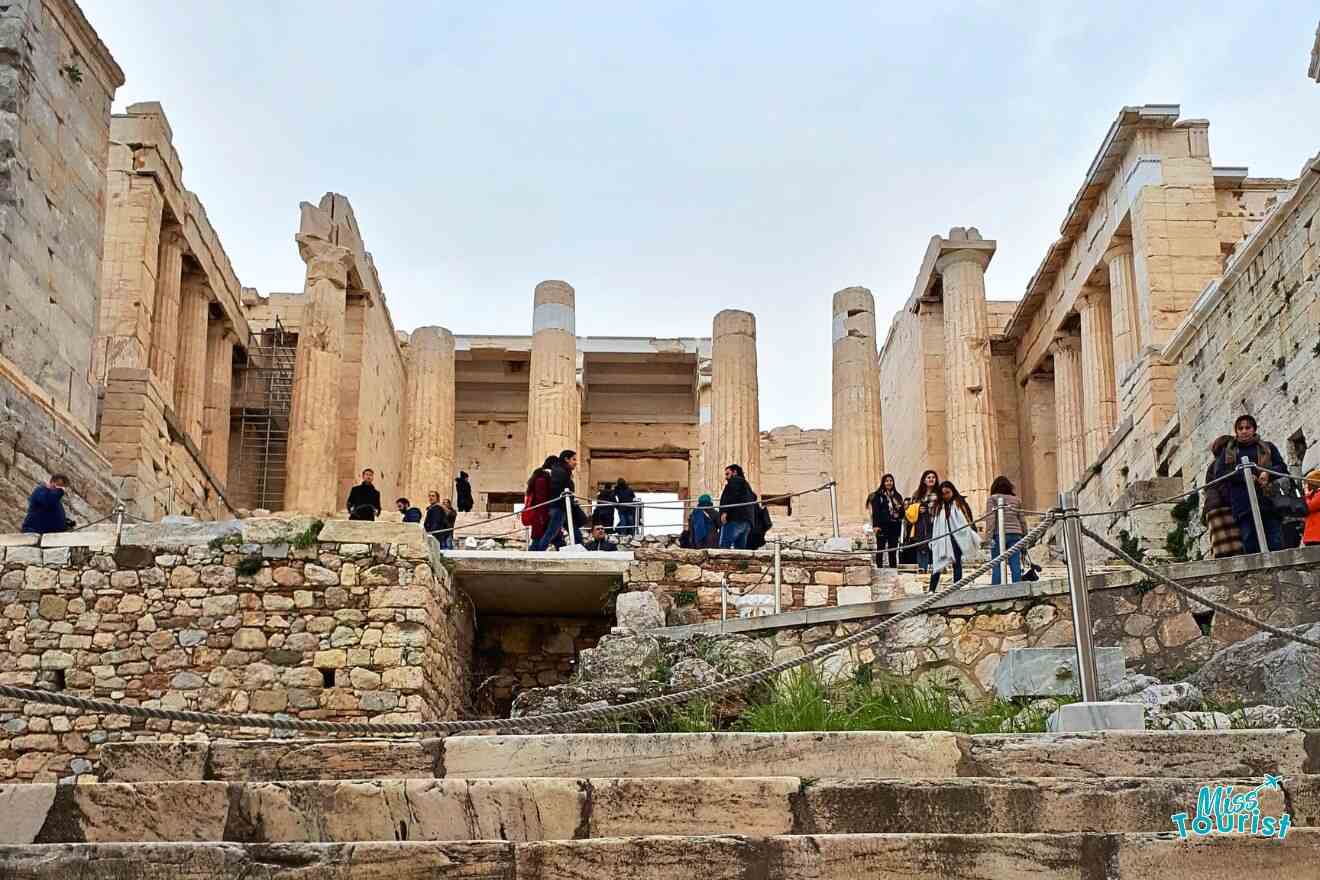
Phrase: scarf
x=948 y=527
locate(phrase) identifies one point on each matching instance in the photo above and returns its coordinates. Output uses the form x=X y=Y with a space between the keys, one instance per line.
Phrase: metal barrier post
x=999 y=530
x=1081 y=609
x=639 y=528
x=724 y=599
x=1249 y=474
x=778 y=581
x=834 y=509
x=568 y=517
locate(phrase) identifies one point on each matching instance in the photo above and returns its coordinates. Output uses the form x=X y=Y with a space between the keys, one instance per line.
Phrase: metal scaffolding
x=263 y=395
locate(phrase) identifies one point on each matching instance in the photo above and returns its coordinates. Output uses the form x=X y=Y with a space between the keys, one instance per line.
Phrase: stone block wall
x=363 y=624
x=516 y=653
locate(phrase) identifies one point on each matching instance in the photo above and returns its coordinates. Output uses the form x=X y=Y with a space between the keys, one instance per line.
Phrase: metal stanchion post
x=724 y=600
x=1249 y=474
x=1081 y=608
x=639 y=527
x=778 y=580
x=568 y=518
x=999 y=530
x=834 y=508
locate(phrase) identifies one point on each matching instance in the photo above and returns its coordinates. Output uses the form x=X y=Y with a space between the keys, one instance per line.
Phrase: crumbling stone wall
x=516 y=653
x=364 y=624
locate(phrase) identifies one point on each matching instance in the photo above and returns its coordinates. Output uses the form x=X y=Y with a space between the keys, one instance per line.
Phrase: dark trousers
x=886 y=542
x=553 y=527
x=957 y=567
x=1250 y=540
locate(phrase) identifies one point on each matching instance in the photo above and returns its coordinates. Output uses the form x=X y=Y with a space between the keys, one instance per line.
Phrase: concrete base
x=1081 y=717
x=1052 y=672
x=839 y=545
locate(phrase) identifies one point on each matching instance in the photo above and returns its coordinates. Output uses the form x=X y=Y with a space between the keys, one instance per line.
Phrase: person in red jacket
x=1311 y=536
x=538 y=493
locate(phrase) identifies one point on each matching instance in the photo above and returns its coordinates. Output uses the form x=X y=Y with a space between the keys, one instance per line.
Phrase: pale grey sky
x=673 y=159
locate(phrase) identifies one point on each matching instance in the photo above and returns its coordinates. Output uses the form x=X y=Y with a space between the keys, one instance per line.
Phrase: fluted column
x=1098 y=392
x=1123 y=306
x=190 y=363
x=165 y=315
x=554 y=406
x=219 y=392
x=857 y=445
x=314 y=416
x=735 y=435
x=971 y=425
x=1069 y=427
x=429 y=413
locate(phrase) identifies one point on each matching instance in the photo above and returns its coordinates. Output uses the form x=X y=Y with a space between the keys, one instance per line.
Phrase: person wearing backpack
x=1246 y=443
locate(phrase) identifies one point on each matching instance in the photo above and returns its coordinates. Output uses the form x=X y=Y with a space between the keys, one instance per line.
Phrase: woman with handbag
x=925 y=499
x=887 y=511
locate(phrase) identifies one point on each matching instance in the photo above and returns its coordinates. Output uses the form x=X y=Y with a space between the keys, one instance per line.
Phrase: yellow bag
x=913 y=512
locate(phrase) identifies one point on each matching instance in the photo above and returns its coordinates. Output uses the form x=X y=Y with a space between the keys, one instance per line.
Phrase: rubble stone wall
x=516 y=653
x=362 y=624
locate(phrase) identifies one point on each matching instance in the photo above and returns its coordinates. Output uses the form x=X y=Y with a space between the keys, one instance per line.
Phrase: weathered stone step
x=819 y=857
x=524 y=810
x=1173 y=754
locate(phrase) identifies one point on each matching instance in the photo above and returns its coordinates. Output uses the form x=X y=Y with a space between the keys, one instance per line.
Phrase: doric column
x=1069 y=427
x=971 y=425
x=165 y=315
x=704 y=478
x=1123 y=305
x=554 y=405
x=190 y=363
x=219 y=392
x=429 y=415
x=735 y=436
x=128 y=273
x=314 y=417
x=857 y=445
x=1039 y=439
x=1098 y=393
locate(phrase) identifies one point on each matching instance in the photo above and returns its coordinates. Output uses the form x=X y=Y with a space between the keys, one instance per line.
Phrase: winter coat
x=603 y=513
x=604 y=544
x=45 y=511
x=412 y=514
x=1312 y=533
x=704 y=528
x=737 y=491
x=363 y=495
x=1014 y=523
x=540 y=493
x=463 y=492
x=1262 y=453
x=435 y=520
x=886 y=510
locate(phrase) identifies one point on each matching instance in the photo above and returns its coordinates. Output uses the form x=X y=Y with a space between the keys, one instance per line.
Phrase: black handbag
x=1280 y=501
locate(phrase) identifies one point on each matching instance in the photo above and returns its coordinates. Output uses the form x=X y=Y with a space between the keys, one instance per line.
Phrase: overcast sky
x=674 y=159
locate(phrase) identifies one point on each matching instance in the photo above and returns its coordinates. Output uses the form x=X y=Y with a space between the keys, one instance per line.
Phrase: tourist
x=703 y=531
x=887 y=520
x=761 y=525
x=463 y=492
x=45 y=510
x=364 y=498
x=1246 y=443
x=624 y=496
x=410 y=514
x=561 y=484
x=436 y=524
x=536 y=507
x=736 y=503
x=1311 y=489
x=1015 y=526
x=599 y=541
x=924 y=499
x=953 y=536
x=603 y=513
x=1217 y=511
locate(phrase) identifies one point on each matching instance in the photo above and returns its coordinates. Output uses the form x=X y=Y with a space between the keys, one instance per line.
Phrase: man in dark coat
x=599 y=541
x=463 y=492
x=736 y=509
x=1265 y=454
x=624 y=495
x=45 y=510
x=561 y=481
x=364 y=498
x=410 y=513
x=437 y=523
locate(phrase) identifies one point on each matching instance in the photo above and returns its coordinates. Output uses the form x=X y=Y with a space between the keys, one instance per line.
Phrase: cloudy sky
x=671 y=159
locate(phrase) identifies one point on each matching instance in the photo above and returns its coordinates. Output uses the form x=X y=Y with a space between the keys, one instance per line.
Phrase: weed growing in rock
x=308 y=536
x=248 y=566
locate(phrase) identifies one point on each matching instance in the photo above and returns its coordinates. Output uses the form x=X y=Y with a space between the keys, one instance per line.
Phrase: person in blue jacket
x=45 y=510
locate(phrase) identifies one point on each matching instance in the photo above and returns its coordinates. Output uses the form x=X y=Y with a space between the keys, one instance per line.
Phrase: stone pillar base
x=1081 y=717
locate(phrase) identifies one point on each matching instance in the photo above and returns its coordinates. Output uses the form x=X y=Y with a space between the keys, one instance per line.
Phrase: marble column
x=190 y=362
x=554 y=404
x=314 y=426
x=1070 y=429
x=857 y=445
x=128 y=273
x=1098 y=392
x=1123 y=306
x=219 y=392
x=1040 y=448
x=429 y=415
x=735 y=435
x=165 y=315
x=971 y=426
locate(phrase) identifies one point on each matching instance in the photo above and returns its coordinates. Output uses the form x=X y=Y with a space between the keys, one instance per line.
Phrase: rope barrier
x=524 y=723
x=1195 y=597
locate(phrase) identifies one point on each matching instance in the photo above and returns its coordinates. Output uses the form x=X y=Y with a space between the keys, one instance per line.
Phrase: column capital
x=1091 y=296
x=171 y=235
x=325 y=261
x=979 y=256
x=1065 y=343
x=1119 y=246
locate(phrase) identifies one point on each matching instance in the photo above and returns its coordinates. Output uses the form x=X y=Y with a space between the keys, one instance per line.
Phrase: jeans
x=1014 y=561
x=553 y=527
x=957 y=568
x=1250 y=540
x=886 y=541
x=733 y=535
x=446 y=541
x=627 y=518
x=923 y=558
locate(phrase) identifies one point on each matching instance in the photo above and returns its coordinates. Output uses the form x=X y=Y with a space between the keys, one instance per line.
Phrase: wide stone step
x=524 y=810
x=1170 y=754
x=817 y=857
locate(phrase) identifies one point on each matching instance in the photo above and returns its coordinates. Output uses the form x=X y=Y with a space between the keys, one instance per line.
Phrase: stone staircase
x=808 y=805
